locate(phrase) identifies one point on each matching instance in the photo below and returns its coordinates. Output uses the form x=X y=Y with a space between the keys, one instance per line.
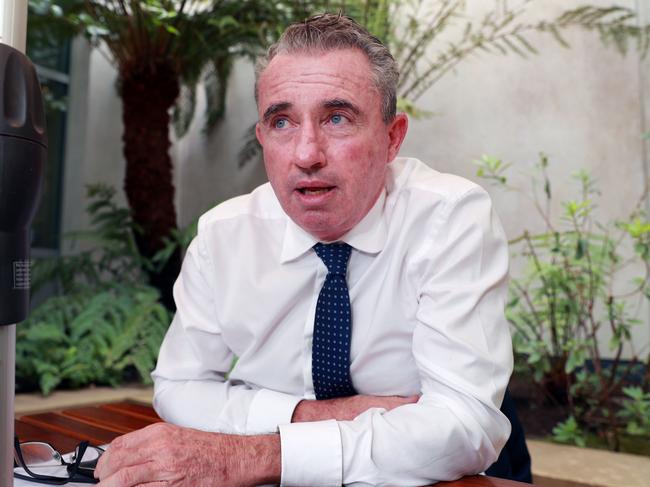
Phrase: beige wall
x=94 y=136
x=581 y=106
x=584 y=106
x=206 y=166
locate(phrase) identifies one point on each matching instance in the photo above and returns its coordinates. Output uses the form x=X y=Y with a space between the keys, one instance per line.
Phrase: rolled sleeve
x=311 y=454
x=270 y=409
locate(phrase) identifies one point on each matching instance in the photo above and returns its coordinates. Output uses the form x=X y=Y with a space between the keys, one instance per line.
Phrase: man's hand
x=166 y=455
x=346 y=408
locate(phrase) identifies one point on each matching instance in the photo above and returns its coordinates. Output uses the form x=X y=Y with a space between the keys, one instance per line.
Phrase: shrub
x=567 y=296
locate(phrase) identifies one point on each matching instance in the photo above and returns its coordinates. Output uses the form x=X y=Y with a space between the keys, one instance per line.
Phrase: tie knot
x=335 y=256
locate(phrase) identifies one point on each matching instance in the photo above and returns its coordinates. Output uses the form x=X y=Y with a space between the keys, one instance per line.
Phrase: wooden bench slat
x=480 y=481
x=72 y=427
x=132 y=409
x=111 y=420
x=28 y=432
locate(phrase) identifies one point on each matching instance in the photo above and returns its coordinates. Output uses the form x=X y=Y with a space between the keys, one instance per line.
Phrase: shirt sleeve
x=463 y=350
x=190 y=385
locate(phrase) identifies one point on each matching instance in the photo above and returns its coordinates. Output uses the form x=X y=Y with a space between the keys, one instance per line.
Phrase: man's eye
x=337 y=119
x=280 y=123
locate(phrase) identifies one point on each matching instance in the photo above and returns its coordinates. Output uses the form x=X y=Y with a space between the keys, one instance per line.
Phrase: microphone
x=23 y=150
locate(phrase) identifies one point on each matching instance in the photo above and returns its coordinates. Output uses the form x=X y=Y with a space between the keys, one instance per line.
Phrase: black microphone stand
x=22 y=156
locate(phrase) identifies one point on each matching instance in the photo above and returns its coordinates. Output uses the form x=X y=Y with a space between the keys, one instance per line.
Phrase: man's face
x=326 y=147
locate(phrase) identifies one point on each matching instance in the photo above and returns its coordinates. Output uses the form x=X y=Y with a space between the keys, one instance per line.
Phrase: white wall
x=585 y=107
x=206 y=166
x=94 y=133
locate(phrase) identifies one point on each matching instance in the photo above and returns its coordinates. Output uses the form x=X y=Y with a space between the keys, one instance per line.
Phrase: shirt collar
x=369 y=235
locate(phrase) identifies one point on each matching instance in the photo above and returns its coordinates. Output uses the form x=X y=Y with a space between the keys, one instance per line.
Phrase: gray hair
x=329 y=32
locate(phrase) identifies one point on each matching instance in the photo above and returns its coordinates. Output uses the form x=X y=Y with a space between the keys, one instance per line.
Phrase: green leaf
x=48 y=382
x=569 y=432
x=408 y=107
x=547 y=189
x=172 y=30
x=581 y=249
x=492 y=168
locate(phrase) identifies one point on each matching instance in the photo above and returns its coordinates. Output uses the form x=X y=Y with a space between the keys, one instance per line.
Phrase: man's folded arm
x=214 y=404
x=190 y=386
x=462 y=347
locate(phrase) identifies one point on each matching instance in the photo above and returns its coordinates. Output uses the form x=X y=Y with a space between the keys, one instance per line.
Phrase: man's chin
x=323 y=228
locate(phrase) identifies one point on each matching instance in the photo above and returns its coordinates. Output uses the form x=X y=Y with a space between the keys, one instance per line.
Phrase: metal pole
x=13 y=23
x=14 y=27
x=7 y=393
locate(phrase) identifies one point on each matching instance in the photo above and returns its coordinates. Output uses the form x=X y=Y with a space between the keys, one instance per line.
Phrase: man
x=362 y=294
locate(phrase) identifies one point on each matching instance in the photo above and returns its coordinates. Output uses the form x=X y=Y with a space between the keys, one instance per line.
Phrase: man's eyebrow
x=275 y=108
x=339 y=103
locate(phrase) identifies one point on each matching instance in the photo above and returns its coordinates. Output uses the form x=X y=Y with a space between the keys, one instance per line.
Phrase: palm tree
x=159 y=47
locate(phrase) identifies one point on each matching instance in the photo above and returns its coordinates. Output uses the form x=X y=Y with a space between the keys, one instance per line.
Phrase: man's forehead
x=332 y=56
x=348 y=65
x=343 y=73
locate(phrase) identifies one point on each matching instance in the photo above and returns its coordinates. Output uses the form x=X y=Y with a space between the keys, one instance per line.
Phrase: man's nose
x=309 y=150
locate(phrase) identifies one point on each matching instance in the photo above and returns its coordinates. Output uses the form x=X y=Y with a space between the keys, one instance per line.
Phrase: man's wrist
x=307 y=411
x=299 y=412
x=261 y=459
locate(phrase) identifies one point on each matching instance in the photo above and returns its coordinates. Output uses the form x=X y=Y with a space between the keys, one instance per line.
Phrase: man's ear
x=396 y=133
x=258 y=134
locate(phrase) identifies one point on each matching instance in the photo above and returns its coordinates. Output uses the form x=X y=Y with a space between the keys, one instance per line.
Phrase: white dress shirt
x=427 y=280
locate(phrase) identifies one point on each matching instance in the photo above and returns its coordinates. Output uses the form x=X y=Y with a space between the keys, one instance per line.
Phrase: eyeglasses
x=42 y=463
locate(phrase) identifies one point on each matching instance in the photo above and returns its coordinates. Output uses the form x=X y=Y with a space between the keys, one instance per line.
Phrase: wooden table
x=102 y=423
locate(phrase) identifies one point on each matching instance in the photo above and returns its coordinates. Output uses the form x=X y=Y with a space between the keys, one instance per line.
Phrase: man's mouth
x=315 y=193
x=311 y=191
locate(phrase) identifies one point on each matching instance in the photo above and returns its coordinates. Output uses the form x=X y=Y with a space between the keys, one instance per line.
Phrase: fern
x=107 y=325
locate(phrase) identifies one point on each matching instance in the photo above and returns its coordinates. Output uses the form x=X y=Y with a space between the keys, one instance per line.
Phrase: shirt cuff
x=311 y=454
x=269 y=409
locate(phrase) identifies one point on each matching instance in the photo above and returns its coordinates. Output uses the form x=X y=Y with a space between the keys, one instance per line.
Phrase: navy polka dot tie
x=332 y=326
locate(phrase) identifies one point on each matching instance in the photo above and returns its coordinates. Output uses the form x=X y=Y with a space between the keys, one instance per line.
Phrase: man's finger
x=135 y=442
x=115 y=459
x=134 y=475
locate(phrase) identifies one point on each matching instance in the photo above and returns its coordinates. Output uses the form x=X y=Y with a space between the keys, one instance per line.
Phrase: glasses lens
x=36 y=454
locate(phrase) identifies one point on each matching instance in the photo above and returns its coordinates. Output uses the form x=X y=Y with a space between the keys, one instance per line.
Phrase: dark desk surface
x=100 y=424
